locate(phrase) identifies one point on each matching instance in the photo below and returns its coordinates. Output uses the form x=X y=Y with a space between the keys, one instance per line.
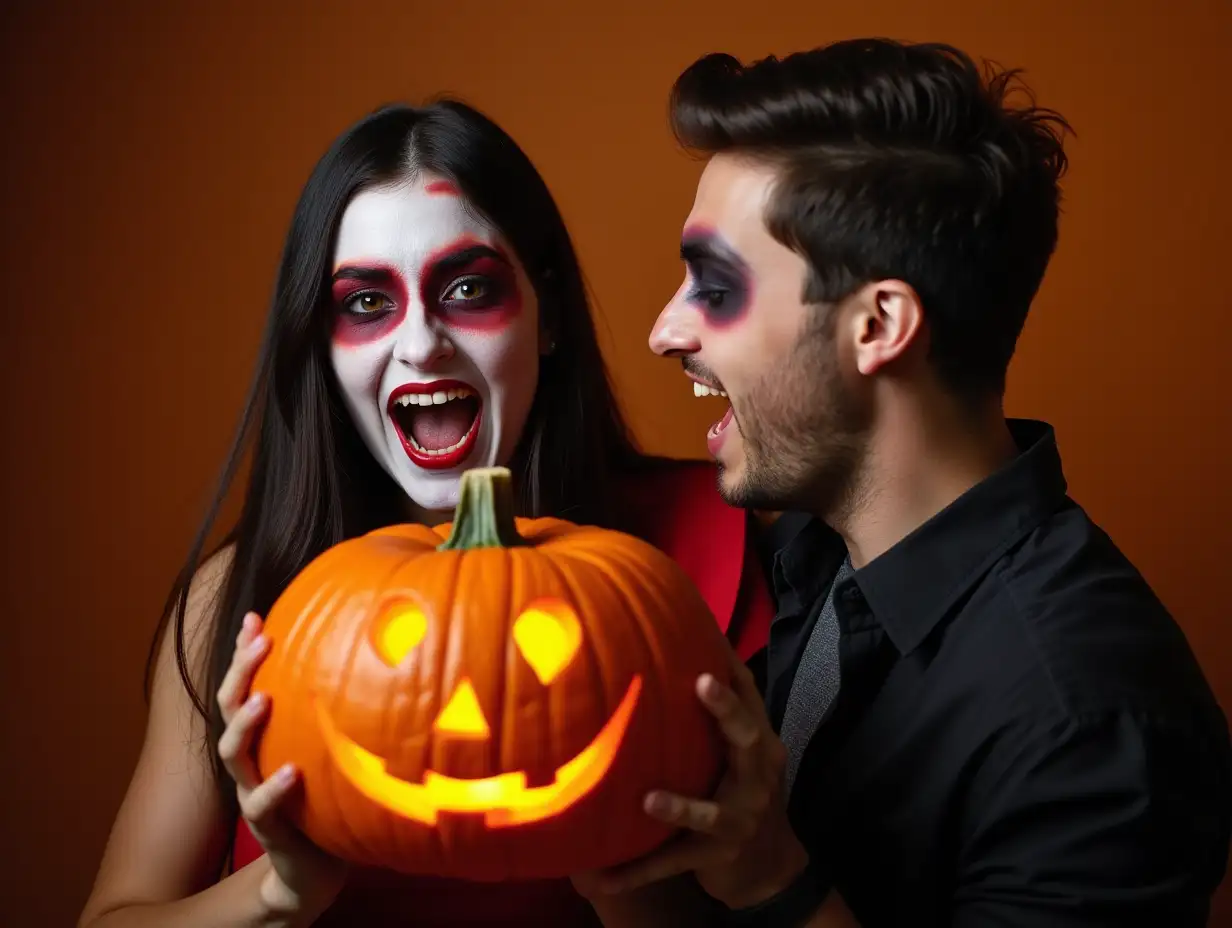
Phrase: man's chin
x=733 y=488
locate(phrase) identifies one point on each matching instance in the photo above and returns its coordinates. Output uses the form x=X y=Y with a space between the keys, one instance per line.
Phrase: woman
x=429 y=316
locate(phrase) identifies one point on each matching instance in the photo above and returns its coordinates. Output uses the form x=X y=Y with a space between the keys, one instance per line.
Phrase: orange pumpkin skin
x=581 y=649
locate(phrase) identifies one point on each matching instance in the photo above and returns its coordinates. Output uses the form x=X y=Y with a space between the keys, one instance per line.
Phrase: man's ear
x=889 y=319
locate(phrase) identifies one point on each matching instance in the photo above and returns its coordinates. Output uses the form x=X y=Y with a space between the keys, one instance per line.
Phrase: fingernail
x=255 y=702
x=709 y=686
x=661 y=804
x=257 y=645
x=286 y=773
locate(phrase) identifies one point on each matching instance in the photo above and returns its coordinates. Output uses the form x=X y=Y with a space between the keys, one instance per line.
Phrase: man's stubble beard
x=805 y=433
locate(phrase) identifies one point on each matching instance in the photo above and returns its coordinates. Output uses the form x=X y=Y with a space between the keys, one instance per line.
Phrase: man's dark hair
x=903 y=161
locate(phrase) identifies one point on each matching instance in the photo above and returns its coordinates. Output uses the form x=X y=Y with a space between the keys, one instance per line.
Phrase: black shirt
x=1022 y=736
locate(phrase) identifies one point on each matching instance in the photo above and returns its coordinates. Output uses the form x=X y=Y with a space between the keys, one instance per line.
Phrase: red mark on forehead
x=442 y=188
x=375 y=282
x=472 y=285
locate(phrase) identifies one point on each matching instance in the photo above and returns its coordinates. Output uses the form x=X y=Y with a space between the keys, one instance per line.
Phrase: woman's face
x=435 y=338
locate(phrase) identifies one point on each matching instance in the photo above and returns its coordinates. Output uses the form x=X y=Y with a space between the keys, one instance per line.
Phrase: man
x=976 y=711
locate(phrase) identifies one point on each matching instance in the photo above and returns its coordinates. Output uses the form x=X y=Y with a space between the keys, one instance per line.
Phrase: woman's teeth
x=435 y=451
x=432 y=399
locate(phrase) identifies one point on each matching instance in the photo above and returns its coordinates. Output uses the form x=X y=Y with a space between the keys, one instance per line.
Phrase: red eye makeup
x=369 y=300
x=472 y=285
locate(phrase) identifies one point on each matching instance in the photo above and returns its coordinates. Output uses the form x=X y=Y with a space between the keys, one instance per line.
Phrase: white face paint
x=435 y=338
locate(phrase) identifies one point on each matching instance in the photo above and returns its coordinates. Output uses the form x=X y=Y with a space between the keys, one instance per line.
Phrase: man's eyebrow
x=703 y=246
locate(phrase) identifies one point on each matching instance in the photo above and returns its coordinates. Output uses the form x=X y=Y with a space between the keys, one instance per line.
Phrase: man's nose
x=675 y=331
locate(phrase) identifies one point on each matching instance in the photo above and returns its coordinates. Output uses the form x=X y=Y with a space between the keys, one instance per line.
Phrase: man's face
x=794 y=432
x=435 y=336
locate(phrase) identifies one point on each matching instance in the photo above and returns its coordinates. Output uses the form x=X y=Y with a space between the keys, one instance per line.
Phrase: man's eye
x=709 y=297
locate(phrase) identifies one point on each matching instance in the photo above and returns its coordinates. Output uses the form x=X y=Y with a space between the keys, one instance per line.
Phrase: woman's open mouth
x=437 y=422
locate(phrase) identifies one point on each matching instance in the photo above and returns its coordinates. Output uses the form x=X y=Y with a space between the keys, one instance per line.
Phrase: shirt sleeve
x=1117 y=819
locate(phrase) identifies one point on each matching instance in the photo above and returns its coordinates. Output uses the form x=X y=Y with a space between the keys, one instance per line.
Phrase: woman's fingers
x=260 y=805
x=250 y=648
x=235 y=744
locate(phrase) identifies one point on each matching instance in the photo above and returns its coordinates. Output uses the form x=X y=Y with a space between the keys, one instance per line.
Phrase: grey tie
x=815 y=684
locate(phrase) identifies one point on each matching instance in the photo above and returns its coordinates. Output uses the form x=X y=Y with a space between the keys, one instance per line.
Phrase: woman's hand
x=304 y=880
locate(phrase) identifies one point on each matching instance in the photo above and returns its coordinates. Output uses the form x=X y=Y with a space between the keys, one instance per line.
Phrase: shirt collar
x=809 y=553
x=912 y=586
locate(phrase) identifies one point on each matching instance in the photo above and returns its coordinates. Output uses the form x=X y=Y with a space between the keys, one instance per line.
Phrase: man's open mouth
x=437 y=422
x=708 y=388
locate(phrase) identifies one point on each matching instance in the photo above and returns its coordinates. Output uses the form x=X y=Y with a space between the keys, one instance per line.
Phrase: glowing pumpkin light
x=491 y=699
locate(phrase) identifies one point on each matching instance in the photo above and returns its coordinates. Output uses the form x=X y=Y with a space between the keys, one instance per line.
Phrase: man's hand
x=741 y=848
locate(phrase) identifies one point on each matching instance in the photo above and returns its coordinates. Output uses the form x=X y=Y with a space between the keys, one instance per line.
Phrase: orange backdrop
x=152 y=157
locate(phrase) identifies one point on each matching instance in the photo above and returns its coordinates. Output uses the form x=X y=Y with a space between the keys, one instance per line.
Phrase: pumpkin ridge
x=339 y=688
x=597 y=660
x=452 y=652
x=292 y=670
x=656 y=683
x=649 y=630
x=601 y=561
x=658 y=640
x=391 y=715
x=497 y=738
x=602 y=675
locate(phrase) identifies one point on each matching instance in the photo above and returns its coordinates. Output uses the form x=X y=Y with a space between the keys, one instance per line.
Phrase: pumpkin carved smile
x=503 y=799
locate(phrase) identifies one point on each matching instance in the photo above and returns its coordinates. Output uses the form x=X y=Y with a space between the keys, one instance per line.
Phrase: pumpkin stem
x=484 y=517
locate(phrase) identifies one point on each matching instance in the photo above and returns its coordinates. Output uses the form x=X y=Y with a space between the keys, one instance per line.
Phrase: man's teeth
x=700 y=389
x=432 y=399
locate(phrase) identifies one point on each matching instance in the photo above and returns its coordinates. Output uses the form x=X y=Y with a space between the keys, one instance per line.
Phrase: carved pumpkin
x=491 y=699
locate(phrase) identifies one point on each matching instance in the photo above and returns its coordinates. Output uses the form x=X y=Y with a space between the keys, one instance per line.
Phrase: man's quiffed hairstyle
x=898 y=161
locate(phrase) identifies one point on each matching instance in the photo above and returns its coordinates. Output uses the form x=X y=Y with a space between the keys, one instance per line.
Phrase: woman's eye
x=366 y=303
x=466 y=290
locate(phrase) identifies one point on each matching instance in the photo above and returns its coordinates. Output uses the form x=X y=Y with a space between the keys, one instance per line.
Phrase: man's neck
x=921 y=459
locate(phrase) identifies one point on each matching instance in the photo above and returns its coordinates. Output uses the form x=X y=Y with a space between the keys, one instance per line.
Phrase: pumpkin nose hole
x=462 y=717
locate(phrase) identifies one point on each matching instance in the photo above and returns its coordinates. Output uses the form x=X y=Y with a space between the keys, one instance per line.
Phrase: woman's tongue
x=436 y=428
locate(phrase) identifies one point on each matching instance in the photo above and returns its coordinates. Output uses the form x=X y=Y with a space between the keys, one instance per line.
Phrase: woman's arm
x=169 y=839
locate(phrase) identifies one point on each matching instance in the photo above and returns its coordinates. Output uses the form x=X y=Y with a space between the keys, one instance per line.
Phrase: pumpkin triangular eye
x=548 y=635
x=398 y=631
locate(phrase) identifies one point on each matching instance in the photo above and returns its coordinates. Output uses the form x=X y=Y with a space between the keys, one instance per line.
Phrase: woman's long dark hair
x=312 y=483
